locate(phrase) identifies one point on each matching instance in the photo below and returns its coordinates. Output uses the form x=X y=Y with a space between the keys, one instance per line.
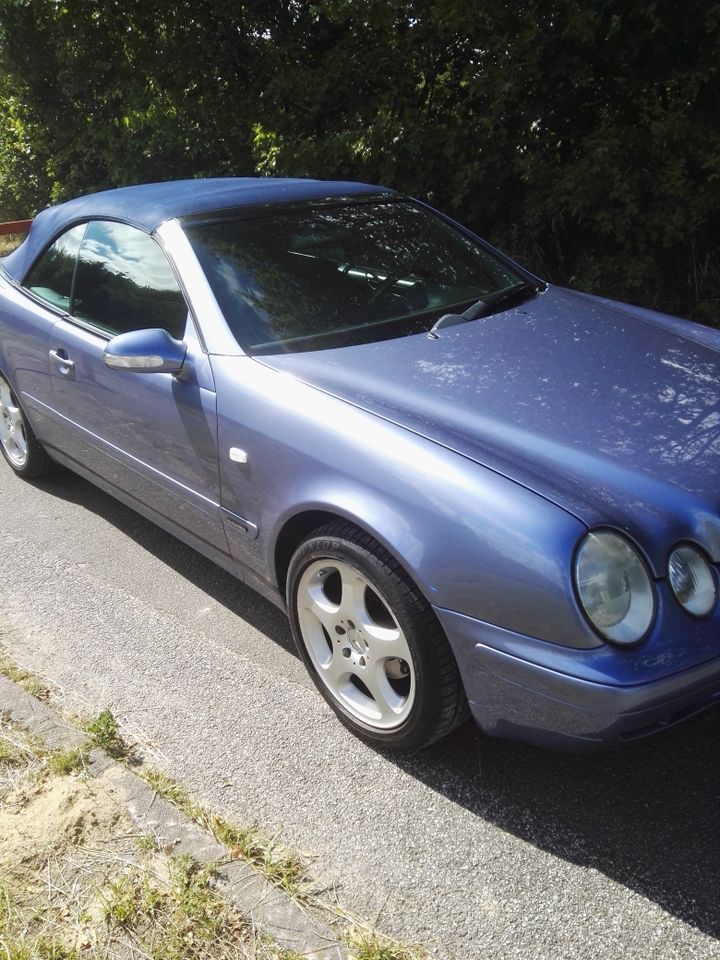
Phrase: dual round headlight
x=616 y=590
x=692 y=580
x=614 y=587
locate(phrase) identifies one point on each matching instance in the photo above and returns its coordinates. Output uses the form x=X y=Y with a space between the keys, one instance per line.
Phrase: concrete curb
x=292 y=926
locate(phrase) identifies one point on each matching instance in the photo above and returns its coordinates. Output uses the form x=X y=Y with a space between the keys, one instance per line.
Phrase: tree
x=581 y=136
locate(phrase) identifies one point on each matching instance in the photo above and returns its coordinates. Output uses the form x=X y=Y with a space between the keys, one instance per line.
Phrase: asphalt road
x=478 y=848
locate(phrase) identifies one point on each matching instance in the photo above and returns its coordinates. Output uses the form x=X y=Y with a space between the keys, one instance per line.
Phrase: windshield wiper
x=489 y=304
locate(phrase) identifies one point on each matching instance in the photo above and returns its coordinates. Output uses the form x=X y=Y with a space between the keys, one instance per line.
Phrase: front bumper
x=534 y=701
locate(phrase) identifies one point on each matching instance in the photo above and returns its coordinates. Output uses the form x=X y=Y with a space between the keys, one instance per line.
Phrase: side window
x=52 y=276
x=124 y=282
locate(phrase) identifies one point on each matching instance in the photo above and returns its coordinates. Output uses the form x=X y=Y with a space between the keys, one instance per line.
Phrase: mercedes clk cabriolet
x=472 y=491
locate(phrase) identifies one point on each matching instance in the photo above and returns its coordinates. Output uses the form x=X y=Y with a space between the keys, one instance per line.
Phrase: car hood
x=610 y=411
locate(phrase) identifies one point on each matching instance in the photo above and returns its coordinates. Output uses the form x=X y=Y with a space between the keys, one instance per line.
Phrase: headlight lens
x=614 y=587
x=692 y=580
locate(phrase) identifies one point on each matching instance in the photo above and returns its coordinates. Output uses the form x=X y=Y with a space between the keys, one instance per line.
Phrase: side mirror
x=145 y=351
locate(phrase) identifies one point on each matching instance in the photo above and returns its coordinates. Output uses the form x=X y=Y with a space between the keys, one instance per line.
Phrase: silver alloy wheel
x=12 y=426
x=356 y=644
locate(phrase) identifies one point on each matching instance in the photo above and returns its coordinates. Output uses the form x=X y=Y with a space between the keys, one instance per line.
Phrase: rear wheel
x=18 y=443
x=371 y=642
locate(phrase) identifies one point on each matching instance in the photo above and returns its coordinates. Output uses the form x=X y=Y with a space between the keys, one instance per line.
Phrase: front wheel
x=371 y=642
x=18 y=443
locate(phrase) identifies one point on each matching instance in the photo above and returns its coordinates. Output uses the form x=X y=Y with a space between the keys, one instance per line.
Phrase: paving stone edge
x=292 y=925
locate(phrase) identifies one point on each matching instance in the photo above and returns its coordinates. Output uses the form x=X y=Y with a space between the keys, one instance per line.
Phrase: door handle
x=62 y=361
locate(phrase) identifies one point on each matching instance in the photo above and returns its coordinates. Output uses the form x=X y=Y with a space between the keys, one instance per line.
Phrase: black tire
x=33 y=462
x=438 y=702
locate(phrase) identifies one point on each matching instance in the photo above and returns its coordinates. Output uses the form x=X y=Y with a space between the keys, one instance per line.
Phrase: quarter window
x=124 y=282
x=52 y=276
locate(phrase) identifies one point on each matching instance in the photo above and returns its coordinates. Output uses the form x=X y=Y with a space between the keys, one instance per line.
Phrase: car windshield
x=337 y=274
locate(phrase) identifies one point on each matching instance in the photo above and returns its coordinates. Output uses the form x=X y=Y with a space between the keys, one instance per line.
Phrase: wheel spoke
x=352 y=603
x=336 y=669
x=324 y=611
x=385 y=642
x=387 y=701
x=20 y=439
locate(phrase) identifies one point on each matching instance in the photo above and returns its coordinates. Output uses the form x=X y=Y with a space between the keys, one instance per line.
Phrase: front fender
x=473 y=540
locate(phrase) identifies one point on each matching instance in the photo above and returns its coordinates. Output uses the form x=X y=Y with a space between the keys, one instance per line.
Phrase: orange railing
x=15 y=226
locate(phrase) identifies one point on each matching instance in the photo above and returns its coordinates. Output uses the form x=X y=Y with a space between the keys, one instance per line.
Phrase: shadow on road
x=647 y=816
x=203 y=573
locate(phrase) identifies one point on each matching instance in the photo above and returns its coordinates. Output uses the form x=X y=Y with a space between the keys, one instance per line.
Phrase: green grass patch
x=280 y=866
x=174 y=914
x=64 y=762
x=148 y=843
x=367 y=944
x=104 y=732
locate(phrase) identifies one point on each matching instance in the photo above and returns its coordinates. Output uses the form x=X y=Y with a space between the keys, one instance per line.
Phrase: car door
x=27 y=317
x=151 y=435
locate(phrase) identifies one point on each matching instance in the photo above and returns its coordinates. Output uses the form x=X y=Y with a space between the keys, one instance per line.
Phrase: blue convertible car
x=471 y=490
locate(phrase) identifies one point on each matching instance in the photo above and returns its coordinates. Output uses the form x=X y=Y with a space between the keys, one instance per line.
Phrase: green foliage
x=582 y=137
x=64 y=762
x=104 y=732
x=281 y=867
x=181 y=918
x=365 y=943
x=122 y=902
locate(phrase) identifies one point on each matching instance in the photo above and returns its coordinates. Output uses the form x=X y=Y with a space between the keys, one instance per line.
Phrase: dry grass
x=78 y=883
x=23 y=678
x=168 y=907
x=280 y=866
x=364 y=943
x=100 y=903
x=20 y=760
